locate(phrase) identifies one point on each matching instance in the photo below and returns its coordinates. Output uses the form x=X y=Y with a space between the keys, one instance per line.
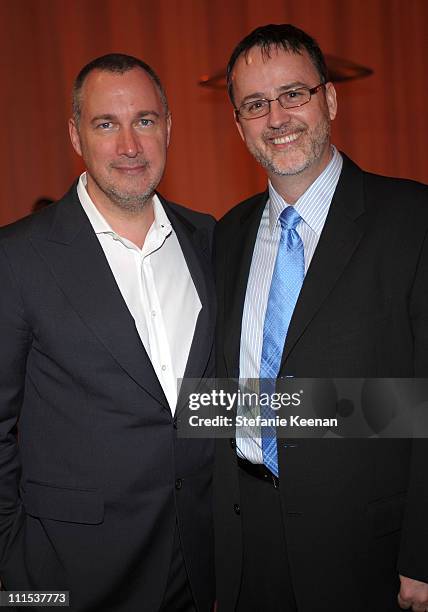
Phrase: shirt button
x=237 y=509
x=163 y=368
x=153 y=313
x=178 y=484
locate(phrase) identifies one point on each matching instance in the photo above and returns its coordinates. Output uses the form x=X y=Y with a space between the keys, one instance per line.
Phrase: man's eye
x=256 y=106
x=105 y=125
x=144 y=122
x=295 y=94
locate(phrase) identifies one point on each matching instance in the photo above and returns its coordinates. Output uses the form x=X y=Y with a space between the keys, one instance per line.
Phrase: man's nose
x=128 y=143
x=278 y=115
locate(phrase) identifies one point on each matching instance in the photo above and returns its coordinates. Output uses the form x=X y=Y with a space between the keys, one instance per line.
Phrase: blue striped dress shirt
x=313 y=207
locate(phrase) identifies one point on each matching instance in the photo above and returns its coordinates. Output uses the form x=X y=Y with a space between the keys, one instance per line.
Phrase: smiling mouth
x=286 y=139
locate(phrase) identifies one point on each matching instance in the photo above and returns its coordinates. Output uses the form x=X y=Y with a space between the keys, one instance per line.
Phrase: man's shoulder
x=242 y=210
x=199 y=225
x=194 y=217
x=394 y=199
x=395 y=186
x=388 y=192
x=38 y=222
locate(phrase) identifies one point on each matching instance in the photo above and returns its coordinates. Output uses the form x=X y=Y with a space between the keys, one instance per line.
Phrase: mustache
x=136 y=162
x=283 y=130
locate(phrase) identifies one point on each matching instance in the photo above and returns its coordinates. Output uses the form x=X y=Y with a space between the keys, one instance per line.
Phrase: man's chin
x=282 y=164
x=132 y=202
x=286 y=167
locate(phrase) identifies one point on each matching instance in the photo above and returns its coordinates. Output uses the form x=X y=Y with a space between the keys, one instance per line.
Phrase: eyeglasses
x=289 y=99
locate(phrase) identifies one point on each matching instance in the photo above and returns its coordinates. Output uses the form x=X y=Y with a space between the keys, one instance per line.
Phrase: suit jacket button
x=233 y=443
x=237 y=509
x=174 y=424
x=178 y=484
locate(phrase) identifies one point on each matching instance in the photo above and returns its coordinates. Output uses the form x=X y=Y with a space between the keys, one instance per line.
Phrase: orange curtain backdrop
x=382 y=122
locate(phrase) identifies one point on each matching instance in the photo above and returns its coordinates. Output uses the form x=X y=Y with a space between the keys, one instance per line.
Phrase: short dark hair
x=113 y=62
x=284 y=35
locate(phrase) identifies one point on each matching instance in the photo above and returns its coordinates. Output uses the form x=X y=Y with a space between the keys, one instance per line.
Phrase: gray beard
x=317 y=144
x=270 y=166
x=131 y=203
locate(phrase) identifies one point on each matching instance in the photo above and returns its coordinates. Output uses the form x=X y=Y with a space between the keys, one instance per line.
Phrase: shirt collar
x=312 y=205
x=161 y=226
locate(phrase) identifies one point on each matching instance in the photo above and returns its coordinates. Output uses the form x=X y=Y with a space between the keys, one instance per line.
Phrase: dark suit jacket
x=362 y=312
x=90 y=495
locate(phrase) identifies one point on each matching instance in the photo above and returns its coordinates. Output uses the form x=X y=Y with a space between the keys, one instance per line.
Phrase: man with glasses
x=323 y=275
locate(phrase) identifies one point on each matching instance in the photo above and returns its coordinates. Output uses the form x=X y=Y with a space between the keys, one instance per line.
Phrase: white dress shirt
x=157 y=288
x=312 y=207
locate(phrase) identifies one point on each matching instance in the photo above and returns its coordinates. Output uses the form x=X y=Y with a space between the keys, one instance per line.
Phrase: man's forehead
x=263 y=55
x=102 y=88
x=104 y=79
x=259 y=68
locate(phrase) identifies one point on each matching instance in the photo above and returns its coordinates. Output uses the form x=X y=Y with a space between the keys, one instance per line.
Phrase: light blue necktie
x=287 y=280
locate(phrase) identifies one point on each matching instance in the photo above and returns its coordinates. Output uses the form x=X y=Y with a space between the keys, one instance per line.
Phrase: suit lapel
x=237 y=269
x=77 y=261
x=338 y=241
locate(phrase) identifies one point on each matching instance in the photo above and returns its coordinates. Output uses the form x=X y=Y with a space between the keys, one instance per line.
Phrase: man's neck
x=131 y=225
x=292 y=187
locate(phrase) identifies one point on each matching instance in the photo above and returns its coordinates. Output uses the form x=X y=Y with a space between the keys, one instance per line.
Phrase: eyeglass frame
x=311 y=91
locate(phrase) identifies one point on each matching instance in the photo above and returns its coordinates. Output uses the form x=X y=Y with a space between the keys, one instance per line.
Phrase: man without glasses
x=106 y=301
x=323 y=275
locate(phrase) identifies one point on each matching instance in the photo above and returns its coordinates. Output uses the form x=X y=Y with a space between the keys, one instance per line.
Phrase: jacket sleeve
x=15 y=338
x=414 y=543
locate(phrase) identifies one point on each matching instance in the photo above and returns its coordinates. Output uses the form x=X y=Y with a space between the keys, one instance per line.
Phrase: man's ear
x=168 y=128
x=238 y=124
x=330 y=96
x=74 y=136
